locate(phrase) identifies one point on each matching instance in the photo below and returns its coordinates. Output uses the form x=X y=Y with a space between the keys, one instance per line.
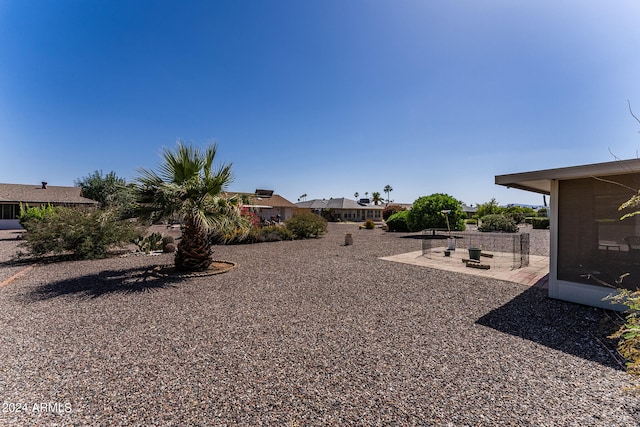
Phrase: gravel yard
x=300 y=333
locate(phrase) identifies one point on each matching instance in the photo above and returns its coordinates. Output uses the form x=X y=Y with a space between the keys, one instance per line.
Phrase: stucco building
x=591 y=246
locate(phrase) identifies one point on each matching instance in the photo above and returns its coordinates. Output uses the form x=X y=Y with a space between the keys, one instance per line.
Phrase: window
x=593 y=243
x=9 y=211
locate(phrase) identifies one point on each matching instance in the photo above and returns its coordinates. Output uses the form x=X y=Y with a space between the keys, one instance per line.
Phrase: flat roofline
x=540 y=181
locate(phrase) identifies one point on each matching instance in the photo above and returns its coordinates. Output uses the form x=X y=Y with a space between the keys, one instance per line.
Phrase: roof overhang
x=540 y=181
x=258 y=206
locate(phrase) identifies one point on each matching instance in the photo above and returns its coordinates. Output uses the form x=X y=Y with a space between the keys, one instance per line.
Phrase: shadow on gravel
x=571 y=328
x=106 y=282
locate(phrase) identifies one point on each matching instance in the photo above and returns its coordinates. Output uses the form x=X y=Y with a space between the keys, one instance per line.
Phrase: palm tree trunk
x=194 y=250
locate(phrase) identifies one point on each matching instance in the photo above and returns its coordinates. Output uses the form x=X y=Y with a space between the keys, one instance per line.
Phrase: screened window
x=594 y=245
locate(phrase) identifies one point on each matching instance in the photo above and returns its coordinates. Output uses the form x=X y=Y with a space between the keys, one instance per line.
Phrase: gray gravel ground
x=300 y=333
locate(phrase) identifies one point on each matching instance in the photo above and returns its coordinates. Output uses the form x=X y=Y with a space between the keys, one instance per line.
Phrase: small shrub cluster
x=369 y=224
x=540 y=223
x=398 y=221
x=390 y=210
x=270 y=233
x=302 y=226
x=498 y=222
x=85 y=234
x=629 y=333
x=306 y=225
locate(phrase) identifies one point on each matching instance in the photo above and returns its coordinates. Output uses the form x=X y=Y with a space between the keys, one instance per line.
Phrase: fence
x=506 y=249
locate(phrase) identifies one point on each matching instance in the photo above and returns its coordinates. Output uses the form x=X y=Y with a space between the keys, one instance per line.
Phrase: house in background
x=267 y=205
x=590 y=246
x=12 y=195
x=342 y=209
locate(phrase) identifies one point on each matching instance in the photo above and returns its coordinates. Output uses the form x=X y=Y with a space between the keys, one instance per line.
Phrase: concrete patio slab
x=535 y=274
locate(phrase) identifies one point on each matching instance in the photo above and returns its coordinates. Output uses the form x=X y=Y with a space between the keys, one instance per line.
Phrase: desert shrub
x=306 y=225
x=540 y=223
x=167 y=240
x=150 y=243
x=390 y=210
x=369 y=224
x=427 y=213
x=498 y=222
x=516 y=217
x=271 y=233
x=398 y=221
x=86 y=234
x=31 y=215
x=518 y=213
x=628 y=334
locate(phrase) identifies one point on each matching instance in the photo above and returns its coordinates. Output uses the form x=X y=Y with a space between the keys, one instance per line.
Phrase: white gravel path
x=300 y=333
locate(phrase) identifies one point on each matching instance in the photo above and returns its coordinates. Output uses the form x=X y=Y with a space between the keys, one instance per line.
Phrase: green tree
x=488 y=208
x=108 y=190
x=376 y=198
x=427 y=212
x=187 y=186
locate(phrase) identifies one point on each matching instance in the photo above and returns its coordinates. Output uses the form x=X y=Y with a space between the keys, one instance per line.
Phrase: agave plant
x=186 y=186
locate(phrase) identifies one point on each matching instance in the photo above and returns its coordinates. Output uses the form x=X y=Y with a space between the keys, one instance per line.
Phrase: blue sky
x=326 y=98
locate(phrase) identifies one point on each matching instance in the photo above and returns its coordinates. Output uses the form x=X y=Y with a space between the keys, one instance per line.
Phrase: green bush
x=306 y=225
x=518 y=213
x=498 y=222
x=398 y=221
x=471 y=221
x=540 y=223
x=369 y=224
x=271 y=233
x=629 y=333
x=86 y=234
x=427 y=213
x=390 y=210
x=31 y=215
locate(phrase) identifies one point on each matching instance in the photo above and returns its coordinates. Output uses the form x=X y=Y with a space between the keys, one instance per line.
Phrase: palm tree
x=187 y=186
x=388 y=189
x=375 y=197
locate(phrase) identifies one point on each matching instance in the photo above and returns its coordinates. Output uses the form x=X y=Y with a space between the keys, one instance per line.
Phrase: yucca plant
x=187 y=186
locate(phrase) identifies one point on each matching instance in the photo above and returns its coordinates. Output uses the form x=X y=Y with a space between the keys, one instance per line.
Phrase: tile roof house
x=12 y=195
x=268 y=206
x=590 y=245
x=343 y=209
